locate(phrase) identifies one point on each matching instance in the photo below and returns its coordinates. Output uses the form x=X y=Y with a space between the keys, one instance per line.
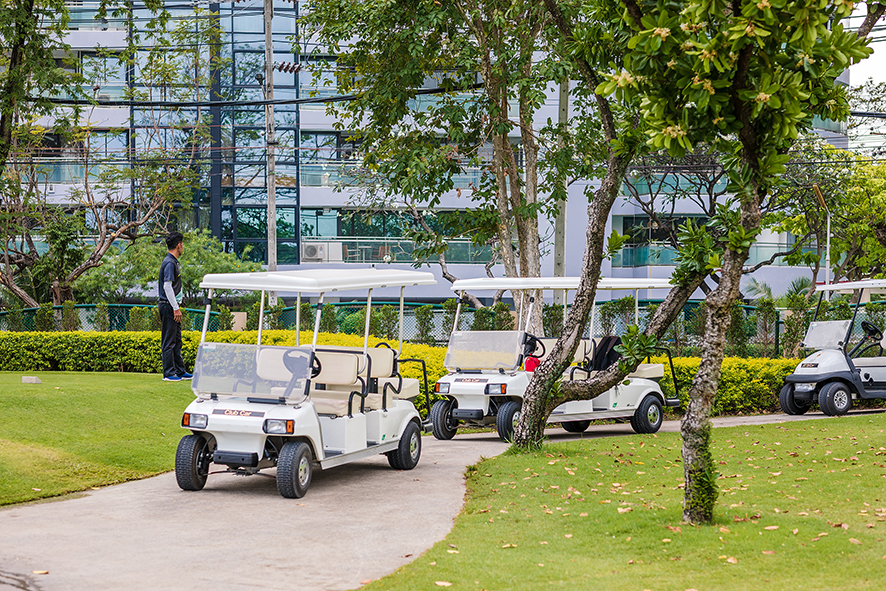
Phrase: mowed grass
x=80 y=430
x=802 y=505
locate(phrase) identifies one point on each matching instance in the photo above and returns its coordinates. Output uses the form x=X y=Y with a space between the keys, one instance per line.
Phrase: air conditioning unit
x=314 y=252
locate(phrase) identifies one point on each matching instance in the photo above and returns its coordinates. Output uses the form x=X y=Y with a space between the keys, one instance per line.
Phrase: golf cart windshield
x=826 y=334
x=252 y=371
x=486 y=349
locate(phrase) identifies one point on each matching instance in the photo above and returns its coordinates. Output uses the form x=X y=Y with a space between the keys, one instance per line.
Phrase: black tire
x=835 y=399
x=192 y=459
x=506 y=418
x=648 y=416
x=294 y=468
x=444 y=426
x=576 y=426
x=789 y=404
x=408 y=452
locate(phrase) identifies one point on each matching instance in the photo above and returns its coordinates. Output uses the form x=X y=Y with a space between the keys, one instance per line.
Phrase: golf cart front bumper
x=812 y=381
x=672 y=402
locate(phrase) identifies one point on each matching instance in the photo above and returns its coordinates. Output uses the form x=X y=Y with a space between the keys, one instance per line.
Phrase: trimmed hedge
x=140 y=351
x=747 y=386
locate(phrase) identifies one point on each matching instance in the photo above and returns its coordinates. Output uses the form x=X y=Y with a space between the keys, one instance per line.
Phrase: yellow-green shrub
x=747 y=386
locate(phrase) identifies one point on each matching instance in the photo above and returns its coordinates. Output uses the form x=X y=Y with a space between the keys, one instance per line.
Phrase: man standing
x=170 y=296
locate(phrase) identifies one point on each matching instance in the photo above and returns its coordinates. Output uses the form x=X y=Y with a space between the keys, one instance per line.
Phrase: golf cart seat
x=649 y=371
x=583 y=351
x=869 y=362
x=336 y=369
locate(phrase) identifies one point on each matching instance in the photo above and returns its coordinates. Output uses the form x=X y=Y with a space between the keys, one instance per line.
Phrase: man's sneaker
x=171 y=379
x=186 y=376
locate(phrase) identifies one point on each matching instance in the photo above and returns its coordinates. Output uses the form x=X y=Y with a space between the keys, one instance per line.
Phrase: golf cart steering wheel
x=316 y=367
x=530 y=344
x=871 y=331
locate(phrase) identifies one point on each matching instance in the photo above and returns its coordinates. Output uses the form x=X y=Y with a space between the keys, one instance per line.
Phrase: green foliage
x=449 y=308
x=483 y=319
x=552 y=320
x=328 y=320
x=44 y=318
x=135 y=269
x=272 y=319
x=766 y=318
x=502 y=319
x=307 y=317
x=424 y=322
x=635 y=347
x=15 y=319
x=737 y=334
x=875 y=313
x=225 y=318
x=387 y=318
x=616 y=314
x=70 y=316
x=102 y=320
x=796 y=321
x=140 y=319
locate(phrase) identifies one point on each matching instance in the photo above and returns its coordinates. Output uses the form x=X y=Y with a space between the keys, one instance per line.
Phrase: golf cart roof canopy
x=557 y=283
x=317 y=280
x=876 y=285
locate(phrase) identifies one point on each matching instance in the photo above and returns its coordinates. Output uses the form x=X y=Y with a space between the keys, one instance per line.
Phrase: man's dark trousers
x=170 y=342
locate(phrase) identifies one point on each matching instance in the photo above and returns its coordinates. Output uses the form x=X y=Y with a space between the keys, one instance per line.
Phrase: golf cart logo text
x=237 y=413
x=472 y=380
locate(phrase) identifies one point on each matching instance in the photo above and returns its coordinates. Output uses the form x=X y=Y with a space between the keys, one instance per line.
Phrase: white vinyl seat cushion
x=650 y=371
x=869 y=362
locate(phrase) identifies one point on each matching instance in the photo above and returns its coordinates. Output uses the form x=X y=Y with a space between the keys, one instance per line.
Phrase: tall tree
x=745 y=77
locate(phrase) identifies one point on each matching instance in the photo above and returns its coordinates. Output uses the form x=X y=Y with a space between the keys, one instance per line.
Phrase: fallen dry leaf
x=365 y=581
x=666 y=540
x=732 y=560
x=854 y=541
x=771 y=527
x=625 y=509
x=724 y=530
x=40 y=572
x=568 y=536
x=582 y=514
x=676 y=530
x=443 y=583
x=509 y=546
x=770 y=552
x=795 y=531
x=453 y=551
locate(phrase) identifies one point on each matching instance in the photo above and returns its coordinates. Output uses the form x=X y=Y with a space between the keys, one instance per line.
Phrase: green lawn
x=80 y=430
x=802 y=506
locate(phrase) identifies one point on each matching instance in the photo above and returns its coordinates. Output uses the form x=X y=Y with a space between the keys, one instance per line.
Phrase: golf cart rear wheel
x=192 y=459
x=648 y=416
x=789 y=404
x=507 y=418
x=576 y=426
x=835 y=399
x=406 y=456
x=294 y=467
x=444 y=426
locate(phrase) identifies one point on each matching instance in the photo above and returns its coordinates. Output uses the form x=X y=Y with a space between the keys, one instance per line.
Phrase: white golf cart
x=834 y=374
x=260 y=406
x=485 y=385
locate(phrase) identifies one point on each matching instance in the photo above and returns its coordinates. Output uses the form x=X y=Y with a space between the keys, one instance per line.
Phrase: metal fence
x=99 y=317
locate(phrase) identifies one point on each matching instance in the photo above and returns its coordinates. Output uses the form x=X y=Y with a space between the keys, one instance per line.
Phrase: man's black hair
x=173 y=240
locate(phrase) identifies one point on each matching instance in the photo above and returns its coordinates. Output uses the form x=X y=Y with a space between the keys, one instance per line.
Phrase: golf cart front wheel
x=507 y=418
x=444 y=426
x=835 y=399
x=576 y=426
x=648 y=416
x=192 y=459
x=406 y=456
x=789 y=404
x=294 y=467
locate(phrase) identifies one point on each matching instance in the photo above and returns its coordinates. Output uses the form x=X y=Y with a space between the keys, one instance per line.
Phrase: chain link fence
x=97 y=317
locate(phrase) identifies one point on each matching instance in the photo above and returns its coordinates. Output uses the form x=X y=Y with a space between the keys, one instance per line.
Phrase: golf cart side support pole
x=637 y=307
x=565 y=308
x=400 y=346
x=817 y=306
x=366 y=331
x=673 y=373
x=529 y=315
x=852 y=324
x=317 y=320
x=457 y=311
x=261 y=315
x=206 y=317
x=297 y=319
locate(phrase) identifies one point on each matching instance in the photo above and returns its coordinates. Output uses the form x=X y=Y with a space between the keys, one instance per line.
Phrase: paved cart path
x=358 y=522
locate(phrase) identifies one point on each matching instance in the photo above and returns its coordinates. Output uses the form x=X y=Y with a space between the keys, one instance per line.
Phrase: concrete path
x=358 y=522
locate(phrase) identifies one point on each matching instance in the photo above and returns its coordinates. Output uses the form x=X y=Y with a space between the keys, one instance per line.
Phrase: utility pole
x=271 y=141
x=560 y=221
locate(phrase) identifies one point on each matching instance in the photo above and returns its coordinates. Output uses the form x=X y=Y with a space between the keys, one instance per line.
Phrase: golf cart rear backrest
x=583 y=352
x=382 y=359
x=336 y=368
